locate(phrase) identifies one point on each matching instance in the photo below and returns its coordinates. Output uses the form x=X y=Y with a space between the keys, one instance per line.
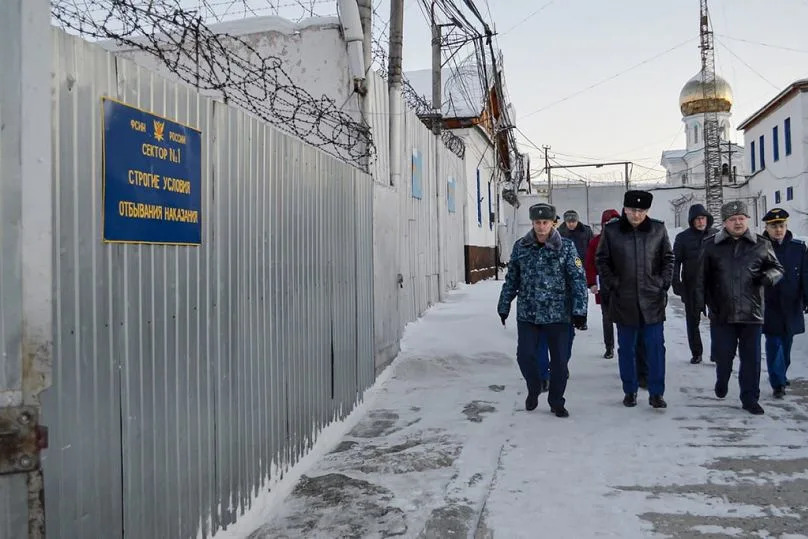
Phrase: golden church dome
x=692 y=100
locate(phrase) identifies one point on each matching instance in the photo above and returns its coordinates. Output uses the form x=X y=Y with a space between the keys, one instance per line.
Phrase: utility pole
x=730 y=173
x=437 y=104
x=714 y=192
x=626 y=176
x=547 y=169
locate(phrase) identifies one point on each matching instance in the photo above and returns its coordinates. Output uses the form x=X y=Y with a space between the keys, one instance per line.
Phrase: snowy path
x=445 y=448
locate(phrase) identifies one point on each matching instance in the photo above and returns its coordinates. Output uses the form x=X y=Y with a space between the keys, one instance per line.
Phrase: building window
x=789 y=193
x=479 y=202
x=762 y=149
x=765 y=204
x=787 y=135
x=775 y=144
x=696 y=134
x=490 y=209
x=777 y=197
x=752 y=154
x=684 y=178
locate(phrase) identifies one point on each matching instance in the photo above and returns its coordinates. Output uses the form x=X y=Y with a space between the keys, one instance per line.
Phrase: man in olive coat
x=635 y=264
x=735 y=266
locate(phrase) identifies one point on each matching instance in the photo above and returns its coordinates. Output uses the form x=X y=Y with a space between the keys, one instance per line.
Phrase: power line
x=752 y=69
x=608 y=79
x=780 y=47
x=512 y=28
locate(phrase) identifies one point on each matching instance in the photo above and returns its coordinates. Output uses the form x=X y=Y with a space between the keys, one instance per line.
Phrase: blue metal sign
x=152 y=178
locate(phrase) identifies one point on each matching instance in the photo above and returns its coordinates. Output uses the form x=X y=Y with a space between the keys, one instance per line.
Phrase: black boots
x=609 y=354
x=630 y=400
x=657 y=401
x=753 y=408
x=779 y=392
x=560 y=411
x=695 y=360
x=721 y=390
x=532 y=400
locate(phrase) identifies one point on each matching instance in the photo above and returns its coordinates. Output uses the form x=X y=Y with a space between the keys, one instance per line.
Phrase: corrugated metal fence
x=187 y=377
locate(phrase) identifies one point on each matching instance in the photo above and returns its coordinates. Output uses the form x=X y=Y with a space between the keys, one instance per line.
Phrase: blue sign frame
x=151 y=179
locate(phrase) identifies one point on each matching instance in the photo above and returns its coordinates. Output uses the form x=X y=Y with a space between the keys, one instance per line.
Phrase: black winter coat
x=732 y=275
x=636 y=268
x=786 y=301
x=686 y=251
x=581 y=237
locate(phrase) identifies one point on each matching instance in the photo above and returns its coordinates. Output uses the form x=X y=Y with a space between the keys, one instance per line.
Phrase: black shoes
x=531 y=401
x=779 y=392
x=630 y=400
x=788 y=383
x=560 y=411
x=642 y=381
x=657 y=401
x=695 y=360
x=609 y=354
x=721 y=390
x=753 y=408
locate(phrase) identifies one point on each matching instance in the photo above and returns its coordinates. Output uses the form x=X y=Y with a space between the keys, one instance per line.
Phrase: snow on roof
x=256 y=25
x=463 y=94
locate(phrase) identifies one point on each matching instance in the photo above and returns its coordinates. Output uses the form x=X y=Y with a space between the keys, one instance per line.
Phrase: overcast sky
x=570 y=45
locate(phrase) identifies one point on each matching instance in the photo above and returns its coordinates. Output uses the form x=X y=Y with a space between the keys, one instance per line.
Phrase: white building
x=471 y=113
x=685 y=167
x=776 y=138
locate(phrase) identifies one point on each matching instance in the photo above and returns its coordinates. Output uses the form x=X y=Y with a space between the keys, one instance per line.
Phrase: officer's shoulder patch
x=578 y=262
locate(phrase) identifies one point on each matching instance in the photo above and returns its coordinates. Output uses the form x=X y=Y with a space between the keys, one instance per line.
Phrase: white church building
x=685 y=167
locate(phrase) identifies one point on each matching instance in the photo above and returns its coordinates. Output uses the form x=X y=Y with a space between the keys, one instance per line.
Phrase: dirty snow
x=444 y=448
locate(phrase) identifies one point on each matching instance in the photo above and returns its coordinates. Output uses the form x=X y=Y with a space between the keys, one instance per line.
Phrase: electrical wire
x=780 y=47
x=752 y=69
x=608 y=79
x=512 y=28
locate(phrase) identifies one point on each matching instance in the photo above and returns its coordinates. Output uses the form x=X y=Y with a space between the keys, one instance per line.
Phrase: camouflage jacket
x=549 y=281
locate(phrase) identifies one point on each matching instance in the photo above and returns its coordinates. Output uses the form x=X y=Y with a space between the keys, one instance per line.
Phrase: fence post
x=26 y=284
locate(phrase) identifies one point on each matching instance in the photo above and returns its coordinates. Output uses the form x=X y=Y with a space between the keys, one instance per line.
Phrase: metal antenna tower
x=714 y=194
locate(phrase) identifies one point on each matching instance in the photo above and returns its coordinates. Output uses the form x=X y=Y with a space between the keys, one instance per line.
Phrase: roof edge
x=763 y=111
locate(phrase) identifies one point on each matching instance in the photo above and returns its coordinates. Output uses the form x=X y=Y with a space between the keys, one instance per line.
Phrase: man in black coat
x=573 y=229
x=735 y=266
x=635 y=264
x=786 y=302
x=686 y=251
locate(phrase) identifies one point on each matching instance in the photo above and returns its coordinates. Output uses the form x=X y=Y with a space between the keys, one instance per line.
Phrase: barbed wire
x=415 y=101
x=225 y=65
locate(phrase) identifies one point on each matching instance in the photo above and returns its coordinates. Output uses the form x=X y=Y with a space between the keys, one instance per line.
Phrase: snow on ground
x=446 y=449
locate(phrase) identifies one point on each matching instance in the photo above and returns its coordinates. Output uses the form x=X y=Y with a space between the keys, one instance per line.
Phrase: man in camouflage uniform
x=547 y=275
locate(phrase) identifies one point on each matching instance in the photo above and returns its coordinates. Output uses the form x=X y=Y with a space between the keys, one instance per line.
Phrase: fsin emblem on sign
x=152 y=178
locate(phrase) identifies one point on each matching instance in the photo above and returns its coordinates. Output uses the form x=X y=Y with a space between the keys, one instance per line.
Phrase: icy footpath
x=444 y=448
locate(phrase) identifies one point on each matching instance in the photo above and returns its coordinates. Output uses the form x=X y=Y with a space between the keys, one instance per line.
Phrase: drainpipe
x=355 y=40
x=394 y=78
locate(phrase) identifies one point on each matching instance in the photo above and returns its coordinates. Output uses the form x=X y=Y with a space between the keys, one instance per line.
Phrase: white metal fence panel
x=186 y=378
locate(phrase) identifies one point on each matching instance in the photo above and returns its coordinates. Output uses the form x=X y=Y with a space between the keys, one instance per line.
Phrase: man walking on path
x=736 y=264
x=686 y=251
x=546 y=274
x=635 y=263
x=786 y=302
x=574 y=230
